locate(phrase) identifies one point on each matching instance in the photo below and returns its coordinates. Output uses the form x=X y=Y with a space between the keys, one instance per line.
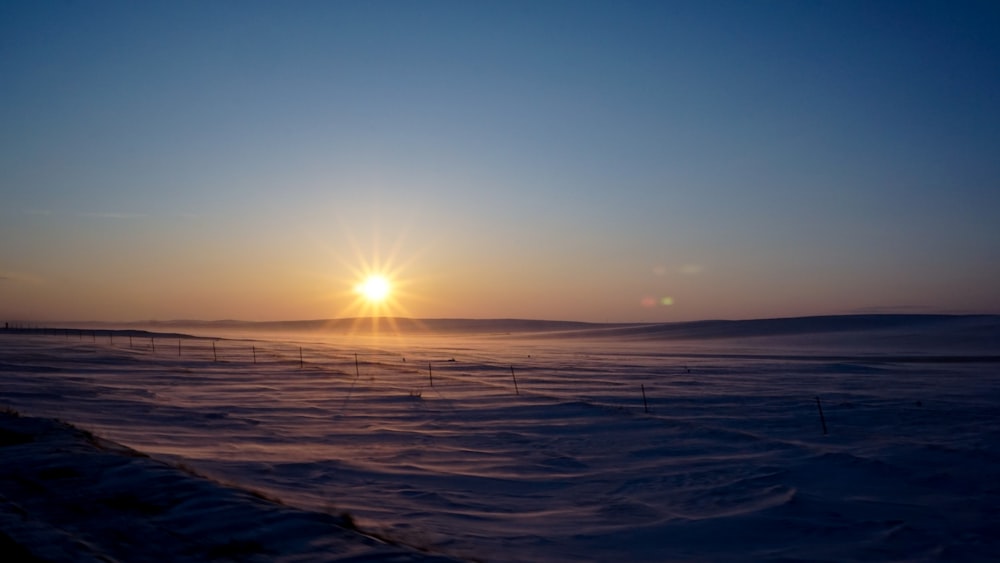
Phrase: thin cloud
x=20 y=277
x=84 y=214
x=36 y=212
x=112 y=215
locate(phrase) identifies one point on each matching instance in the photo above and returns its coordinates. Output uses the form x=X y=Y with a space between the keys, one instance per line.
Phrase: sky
x=596 y=161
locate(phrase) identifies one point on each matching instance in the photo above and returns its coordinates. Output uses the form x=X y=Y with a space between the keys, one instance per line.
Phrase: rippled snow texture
x=428 y=441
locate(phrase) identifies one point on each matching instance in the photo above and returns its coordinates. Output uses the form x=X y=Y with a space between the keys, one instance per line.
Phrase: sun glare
x=374 y=288
x=374 y=292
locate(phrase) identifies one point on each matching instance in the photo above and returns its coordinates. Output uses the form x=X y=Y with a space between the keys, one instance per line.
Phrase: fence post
x=822 y=418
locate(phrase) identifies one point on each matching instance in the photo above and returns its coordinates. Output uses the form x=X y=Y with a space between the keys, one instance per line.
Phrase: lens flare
x=651 y=302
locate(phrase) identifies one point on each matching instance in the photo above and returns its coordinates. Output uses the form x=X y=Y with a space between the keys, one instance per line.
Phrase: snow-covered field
x=701 y=442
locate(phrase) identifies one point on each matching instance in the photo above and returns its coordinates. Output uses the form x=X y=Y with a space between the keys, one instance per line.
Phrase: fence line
x=269 y=353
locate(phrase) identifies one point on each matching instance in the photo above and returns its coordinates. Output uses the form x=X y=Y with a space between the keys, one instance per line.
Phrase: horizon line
x=493 y=319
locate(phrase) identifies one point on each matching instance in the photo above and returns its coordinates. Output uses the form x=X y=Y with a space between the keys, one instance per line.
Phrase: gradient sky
x=601 y=161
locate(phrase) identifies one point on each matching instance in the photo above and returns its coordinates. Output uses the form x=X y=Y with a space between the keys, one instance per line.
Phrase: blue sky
x=606 y=161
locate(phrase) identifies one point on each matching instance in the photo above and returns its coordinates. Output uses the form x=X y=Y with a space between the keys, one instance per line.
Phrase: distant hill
x=802 y=326
x=982 y=325
x=386 y=324
x=977 y=335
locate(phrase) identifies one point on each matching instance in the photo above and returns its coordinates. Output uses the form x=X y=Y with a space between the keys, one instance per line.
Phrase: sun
x=374 y=288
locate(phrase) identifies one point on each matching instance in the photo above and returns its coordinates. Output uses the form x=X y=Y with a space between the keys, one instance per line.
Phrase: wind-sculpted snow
x=70 y=496
x=428 y=441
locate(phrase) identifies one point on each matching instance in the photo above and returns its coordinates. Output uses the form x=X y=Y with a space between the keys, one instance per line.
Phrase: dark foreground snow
x=66 y=495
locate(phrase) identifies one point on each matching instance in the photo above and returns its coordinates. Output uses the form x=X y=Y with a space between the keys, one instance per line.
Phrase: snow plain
x=692 y=442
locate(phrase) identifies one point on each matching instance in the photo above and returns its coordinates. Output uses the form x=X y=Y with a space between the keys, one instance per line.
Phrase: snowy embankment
x=70 y=496
x=508 y=448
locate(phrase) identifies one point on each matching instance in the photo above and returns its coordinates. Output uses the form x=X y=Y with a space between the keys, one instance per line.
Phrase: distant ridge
x=982 y=326
x=807 y=325
x=387 y=324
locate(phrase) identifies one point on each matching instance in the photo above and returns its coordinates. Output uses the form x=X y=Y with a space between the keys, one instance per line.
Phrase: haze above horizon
x=583 y=161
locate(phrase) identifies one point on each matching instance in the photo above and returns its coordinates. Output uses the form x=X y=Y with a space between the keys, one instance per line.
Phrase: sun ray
x=375 y=288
